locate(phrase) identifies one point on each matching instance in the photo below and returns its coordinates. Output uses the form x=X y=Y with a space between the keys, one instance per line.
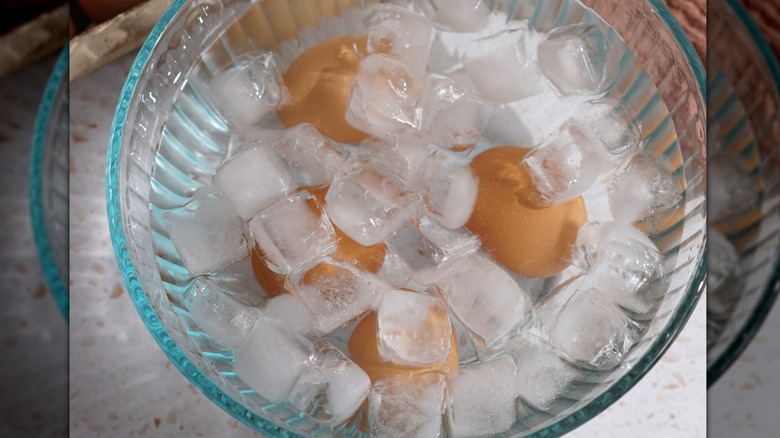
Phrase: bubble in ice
x=385 y=98
x=486 y=299
x=453 y=117
x=399 y=32
x=293 y=232
x=207 y=234
x=224 y=319
x=407 y=407
x=332 y=388
x=449 y=190
x=414 y=328
x=590 y=329
x=334 y=292
x=642 y=189
x=564 y=166
x=482 y=399
x=312 y=158
x=731 y=189
x=289 y=311
x=248 y=91
x=456 y=15
x=428 y=251
x=271 y=359
x=367 y=202
x=253 y=180
x=723 y=261
x=610 y=123
x=578 y=60
x=503 y=66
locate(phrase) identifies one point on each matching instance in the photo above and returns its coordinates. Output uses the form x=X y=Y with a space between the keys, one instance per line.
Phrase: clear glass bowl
x=160 y=105
x=48 y=182
x=744 y=106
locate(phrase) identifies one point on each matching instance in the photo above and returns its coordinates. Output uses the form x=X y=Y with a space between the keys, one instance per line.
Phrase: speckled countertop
x=123 y=385
x=33 y=332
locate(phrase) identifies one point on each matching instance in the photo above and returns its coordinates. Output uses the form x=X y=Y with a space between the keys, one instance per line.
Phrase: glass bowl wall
x=48 y=182
x=163 y=96
x=744 y=111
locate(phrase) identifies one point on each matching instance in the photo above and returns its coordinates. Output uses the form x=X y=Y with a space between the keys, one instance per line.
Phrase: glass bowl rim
x=253 y=421
x=54 y=280
x=772 y=291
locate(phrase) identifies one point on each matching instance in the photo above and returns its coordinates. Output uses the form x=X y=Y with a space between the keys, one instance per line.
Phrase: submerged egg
x=364 y=348
x=320 y=82
x=531 y=241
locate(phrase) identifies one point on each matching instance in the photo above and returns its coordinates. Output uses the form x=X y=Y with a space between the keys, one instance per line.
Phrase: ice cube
x=335 y=293
x=289 y=311
x=625 y=265
x=731 y=188
x=564 y=166
x=590 y=329
x=238 y=280
x=542 y=377
x=449 y=190
x=413 y=328
x=271 y=359
x=723 y=262
x=312 y=158
x=482 y=398
x=248 y=91
x=453 y=117
x=405 y=158
x=643 y=189
x=399 y=32
x=577 y=59
x=609 y=122
x=456 y=15
x=409 y=407
x=207 y=234
x=226 y=320
x=428 y=251
x=253 y=180
x=503 y=66
x=367 y=202
x=332 y=388
x=485 y=298
x=385 y=98
x=292 y=232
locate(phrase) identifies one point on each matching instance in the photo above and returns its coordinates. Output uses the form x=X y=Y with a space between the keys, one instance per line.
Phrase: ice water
x=441 y=86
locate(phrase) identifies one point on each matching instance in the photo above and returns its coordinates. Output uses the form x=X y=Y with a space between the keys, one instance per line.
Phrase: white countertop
x=123 y=385
x=33 y=332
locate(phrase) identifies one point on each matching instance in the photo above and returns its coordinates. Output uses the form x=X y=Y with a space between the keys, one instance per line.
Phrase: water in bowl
x=561 y=298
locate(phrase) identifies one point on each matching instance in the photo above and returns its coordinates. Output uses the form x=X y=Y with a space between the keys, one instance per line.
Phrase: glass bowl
x=744 y=110
x=162 y=103
x=48 y=182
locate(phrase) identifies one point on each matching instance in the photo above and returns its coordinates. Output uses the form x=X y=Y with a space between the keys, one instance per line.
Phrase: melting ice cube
x=224 y=319
x=208 y=235
x=577 y=59
x=449 y=190
x=731 y=189
x=414 y=328
x=503 y=66
x=292 y=232
x=253 y=180
x=482 y=401
x=332 y=388
x=722 y=260
x=399 y=32
x=456 y=15
x=610 y=123
x=249 y=91
x=407 y=407
x=312 y=159
x=289 y=311
x=642 y=189
x=405 y=158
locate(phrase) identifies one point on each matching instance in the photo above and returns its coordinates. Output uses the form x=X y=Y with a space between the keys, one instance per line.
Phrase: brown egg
x=364 y=348
x=531 y=241
x=320 y=83
x=366 y=258
x=270 y=281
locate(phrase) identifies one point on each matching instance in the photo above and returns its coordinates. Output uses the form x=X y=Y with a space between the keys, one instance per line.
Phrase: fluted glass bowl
x=744 y=110
x=48 y=182
x=166 y=138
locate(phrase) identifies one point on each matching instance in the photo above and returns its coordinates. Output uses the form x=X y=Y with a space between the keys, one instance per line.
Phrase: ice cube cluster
x=292 y=210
